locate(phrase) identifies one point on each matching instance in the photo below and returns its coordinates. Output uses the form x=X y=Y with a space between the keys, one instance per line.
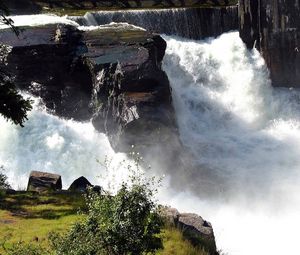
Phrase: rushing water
x=244 y=134
x=48 y=143
x=193 y=23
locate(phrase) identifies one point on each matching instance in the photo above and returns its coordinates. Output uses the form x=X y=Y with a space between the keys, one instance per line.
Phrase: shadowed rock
x=273 y=27
x=42 y=181
x=80 y=185
x=111 y=75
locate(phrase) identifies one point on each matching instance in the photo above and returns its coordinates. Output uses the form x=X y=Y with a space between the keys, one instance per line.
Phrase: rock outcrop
x=80 y=185
x=111 y=75
x=194 y=228
x=41 y=182
x=273 y=27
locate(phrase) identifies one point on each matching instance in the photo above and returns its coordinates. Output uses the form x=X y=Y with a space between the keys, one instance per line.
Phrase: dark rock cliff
x=273 y=27
x=111 y=75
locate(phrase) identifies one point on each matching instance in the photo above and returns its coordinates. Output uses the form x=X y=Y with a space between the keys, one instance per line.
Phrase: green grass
x=174 y=243
x=29 y=217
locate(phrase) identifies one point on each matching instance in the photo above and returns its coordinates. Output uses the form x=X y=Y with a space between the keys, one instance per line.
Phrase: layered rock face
x=273 y=27
x=111 y=75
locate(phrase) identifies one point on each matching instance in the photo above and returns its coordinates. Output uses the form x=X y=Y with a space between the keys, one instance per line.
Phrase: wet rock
x=273 y=27
x=111 y=75
x=80 y=185
x=44 y=61
x=134 y=92
x=42 y=181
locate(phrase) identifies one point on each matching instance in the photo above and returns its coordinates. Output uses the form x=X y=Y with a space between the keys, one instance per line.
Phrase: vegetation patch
x=27 y=218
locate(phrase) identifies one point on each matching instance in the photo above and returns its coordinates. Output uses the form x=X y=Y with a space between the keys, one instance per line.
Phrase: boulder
x=42 y=181
x=171 y=215
x=80 y=185
x=197 y=230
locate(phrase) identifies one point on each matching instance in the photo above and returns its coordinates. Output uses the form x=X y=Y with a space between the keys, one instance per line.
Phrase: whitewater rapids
x=245 y=137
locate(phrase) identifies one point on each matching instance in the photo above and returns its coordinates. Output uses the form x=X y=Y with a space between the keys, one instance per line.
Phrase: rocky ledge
x=273 y=27
x=111 y=74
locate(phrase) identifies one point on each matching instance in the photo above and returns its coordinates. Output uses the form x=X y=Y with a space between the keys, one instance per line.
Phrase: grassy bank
x=29 y=217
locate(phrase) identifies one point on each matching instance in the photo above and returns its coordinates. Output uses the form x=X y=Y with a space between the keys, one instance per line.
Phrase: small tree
x=126 y=223
x=3 y=180
x=12 y=105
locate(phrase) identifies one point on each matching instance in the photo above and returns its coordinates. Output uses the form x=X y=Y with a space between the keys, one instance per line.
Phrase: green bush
x=3 y=180
x=26 y=249
x=126 y=223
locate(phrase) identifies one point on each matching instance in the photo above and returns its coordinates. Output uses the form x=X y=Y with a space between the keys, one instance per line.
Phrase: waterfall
x=49 y=143
x=245 y=138
x=193 y=23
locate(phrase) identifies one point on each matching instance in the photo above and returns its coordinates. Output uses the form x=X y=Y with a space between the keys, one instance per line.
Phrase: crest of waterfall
x=193 y=23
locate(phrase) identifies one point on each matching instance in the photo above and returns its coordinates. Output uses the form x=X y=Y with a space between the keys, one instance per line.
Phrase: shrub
x=21 y=248
x=3 y=180
x=126 y=223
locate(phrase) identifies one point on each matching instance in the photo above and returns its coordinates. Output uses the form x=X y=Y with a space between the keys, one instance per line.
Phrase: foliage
x=3 y=180
x=28 y=222
x=4 y=12
x=12 y=105
x=126 y=223
x=21 y=248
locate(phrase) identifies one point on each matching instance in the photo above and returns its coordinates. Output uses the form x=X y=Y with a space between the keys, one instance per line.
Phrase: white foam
x=66 y=147
x=113 y=25
x=39 y=19
x=245 y=136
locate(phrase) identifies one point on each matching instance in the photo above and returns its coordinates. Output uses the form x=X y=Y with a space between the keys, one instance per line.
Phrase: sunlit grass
x=29 y=217
x=174 y=243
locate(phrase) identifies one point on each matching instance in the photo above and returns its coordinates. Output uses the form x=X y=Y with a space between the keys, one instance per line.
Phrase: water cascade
x=49 y=143
x=245 y=137
x=195 y=23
